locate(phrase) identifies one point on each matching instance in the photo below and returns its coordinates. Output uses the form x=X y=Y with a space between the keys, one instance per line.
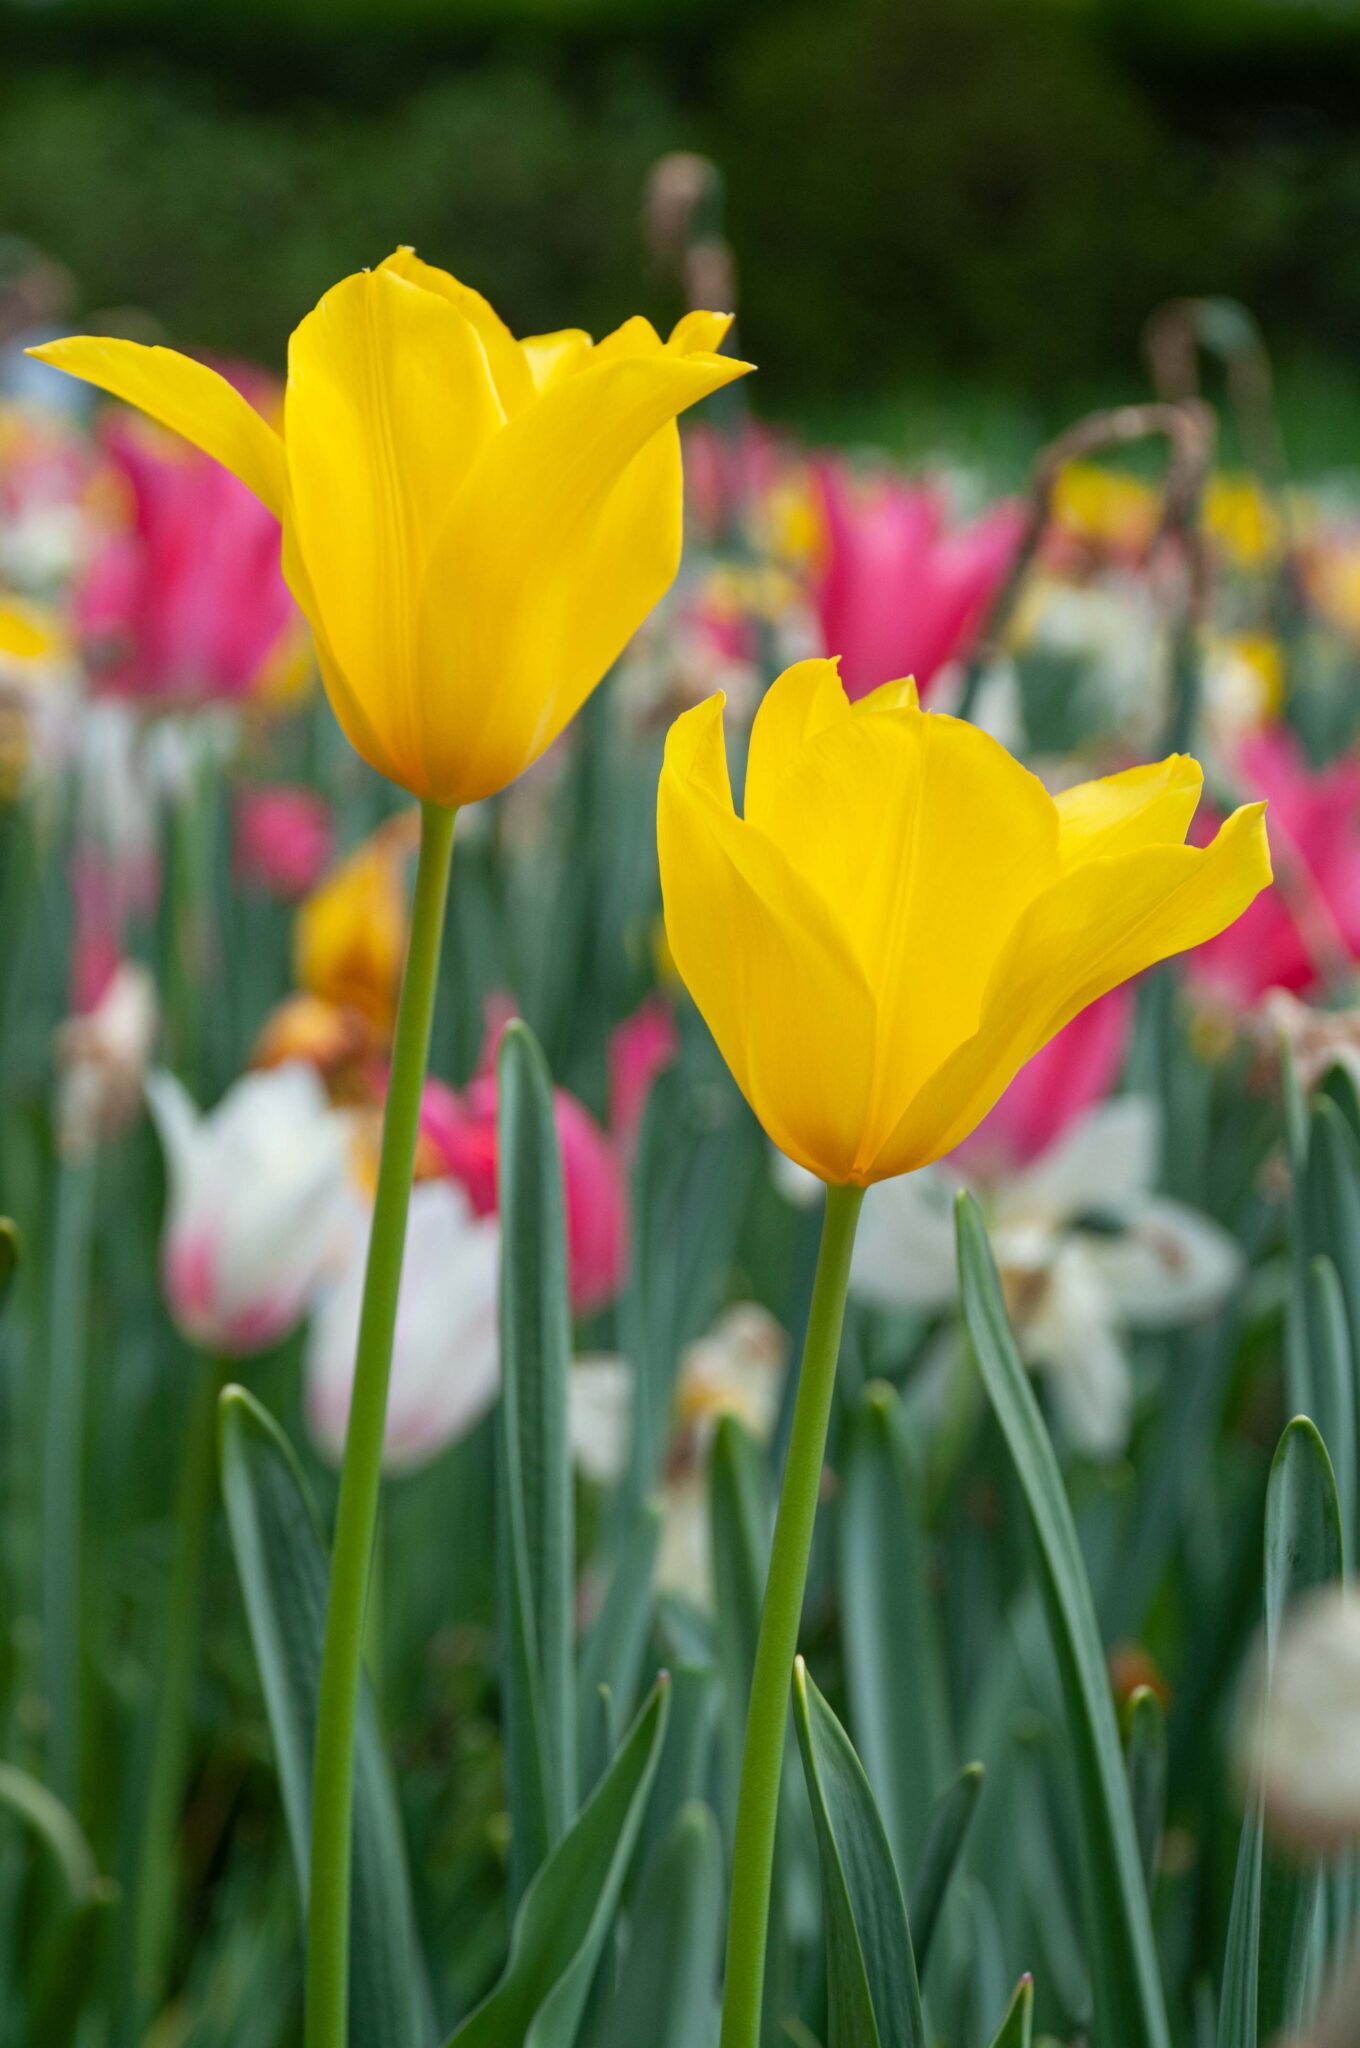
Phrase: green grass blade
x=946 y=1831
x=1129 y=2003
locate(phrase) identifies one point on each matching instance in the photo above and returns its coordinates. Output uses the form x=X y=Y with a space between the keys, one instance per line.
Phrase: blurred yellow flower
x=349 y=940
x=474 y=526
x=904 y=915
x=1241 y=522
x=1105 y=507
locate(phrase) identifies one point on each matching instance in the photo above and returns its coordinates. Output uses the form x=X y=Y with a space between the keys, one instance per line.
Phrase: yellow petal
x=509 y=364
x=185 y=396
x=699 y=333
x=798 y=704
x=390 y=399
x=927 y=840
x=553 y=356
x=762 y=958
x=1101 y=924
x=636 y=337
x=1148 y=806
x=562 y=539
x=899 y=696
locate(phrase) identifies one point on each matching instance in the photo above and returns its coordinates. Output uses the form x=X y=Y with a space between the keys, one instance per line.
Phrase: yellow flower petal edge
x=904 y=915
x=473 y=525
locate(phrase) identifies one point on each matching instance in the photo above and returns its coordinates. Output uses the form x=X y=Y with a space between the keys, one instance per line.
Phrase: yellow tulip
x=473 y=525
x=350 y=935
x=904 y=915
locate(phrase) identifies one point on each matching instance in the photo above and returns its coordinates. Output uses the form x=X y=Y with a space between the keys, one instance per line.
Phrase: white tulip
x=258 y=1191
x=446 y=1356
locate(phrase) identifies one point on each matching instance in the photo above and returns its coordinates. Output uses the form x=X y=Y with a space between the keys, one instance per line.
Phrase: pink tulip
x=460 y=1126
x=639 y=1049
x=1306 y=930
x=898 y=593
x=189 y=602
x=284 y=839
x=1074 y=1071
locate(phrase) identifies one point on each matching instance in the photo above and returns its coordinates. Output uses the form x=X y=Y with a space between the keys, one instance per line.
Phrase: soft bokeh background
x=930 y=201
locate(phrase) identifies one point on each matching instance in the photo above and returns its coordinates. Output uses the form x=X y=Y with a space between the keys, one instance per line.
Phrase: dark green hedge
x=915 y=186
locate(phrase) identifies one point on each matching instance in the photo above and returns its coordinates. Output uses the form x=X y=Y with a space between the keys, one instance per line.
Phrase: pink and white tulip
x=446 y=1356
x=257 y=1197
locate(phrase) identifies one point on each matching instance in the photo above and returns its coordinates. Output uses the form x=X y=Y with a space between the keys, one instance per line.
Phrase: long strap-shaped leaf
x=611 y=1654
x=282 y=1566
x=667 y=1990
x=946 y=1831
x=894 y=1672
x=534 y=1503
x=1130 y=2007
x=1016 y=2027
x=1274 y=1901
x=873 y=1996
x=569 y=1908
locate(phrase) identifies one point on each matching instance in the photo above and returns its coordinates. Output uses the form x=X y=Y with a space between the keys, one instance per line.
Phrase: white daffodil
x=1301 y=1741
x=257 y=1196
x=102 y=1058
x=736 y=1368
x=1087 y=1253
x=446 y=1356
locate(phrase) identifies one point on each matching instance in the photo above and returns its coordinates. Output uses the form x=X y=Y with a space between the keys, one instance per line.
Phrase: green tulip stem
x=361 y=1472
x=767 y=1715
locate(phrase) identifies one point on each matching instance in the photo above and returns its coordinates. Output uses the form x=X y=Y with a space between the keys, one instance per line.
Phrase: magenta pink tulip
x=640 y=1048
x=1074 y=1071
x=1305 y=932
x=188 y=602
x=899 y=592
x=284 y=839
x=460 y=1127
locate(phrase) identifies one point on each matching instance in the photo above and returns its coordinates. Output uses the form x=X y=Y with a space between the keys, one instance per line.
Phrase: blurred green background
x=924 y=195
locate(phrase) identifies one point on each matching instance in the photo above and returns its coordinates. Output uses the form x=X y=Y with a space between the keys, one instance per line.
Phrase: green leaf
x=536 y=1537
x=282 y=1566
x=742 y=1510
x=1145 y=1760
x=1332 y=1377
x=1125 y=1977
x=873 y=1997
x=946 y=1831
x=1016 y=2027
x=1303 y=1549
x=61 y=1970
x=567 y=1912
x=10 y=1252
x=894 y=1670
x=666 y=1996
x=612 y=1654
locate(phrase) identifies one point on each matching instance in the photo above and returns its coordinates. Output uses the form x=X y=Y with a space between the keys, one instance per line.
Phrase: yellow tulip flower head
x=904 y=915
x=473 y=525
x=350 y=935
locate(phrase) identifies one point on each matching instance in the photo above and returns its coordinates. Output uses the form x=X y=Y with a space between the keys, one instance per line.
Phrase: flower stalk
x=360 y=1477
x=767 y=1715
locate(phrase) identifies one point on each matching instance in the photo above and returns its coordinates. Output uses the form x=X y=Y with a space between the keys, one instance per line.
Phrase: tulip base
x=767 y=1716
x=361 y=1472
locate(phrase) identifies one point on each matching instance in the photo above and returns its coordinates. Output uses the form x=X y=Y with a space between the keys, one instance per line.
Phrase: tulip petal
x=390 y=399
x=564 y=536
x=798 y=704
x=1147 y=806
x=762 y=958
x=867 y=812
x=553 y=356
x=1101 y=924
x=698 y=333
x=509 y=364
x=185 y=396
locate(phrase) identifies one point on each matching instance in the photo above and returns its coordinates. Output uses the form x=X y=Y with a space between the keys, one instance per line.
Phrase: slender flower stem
x=154 y=1914
x=63 y=1469
x=767 y=1716
x=361 y=1473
